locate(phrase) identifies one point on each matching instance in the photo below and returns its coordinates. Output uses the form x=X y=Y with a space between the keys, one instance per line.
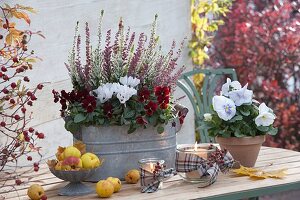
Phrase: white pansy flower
x=103 y=93
x=229 y=86
x=124 y=93
x=129 y=81
x=241 y=96
x=224 y=107
x=265 y=116
x=207 y=117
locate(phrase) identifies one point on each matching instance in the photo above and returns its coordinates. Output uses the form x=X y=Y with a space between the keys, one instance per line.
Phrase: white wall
x=57 y=18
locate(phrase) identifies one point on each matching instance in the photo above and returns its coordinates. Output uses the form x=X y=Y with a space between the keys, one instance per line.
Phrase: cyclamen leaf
x=79 y=118
x=160 y=129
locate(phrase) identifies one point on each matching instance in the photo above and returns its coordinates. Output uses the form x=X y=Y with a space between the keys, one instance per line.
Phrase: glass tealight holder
x=203 y=150
x=148 y=164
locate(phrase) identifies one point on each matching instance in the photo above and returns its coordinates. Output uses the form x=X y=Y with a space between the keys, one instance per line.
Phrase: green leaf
x=132 y=128
x=262 y=128
x=273 y=131
x=236 y=118
x=101 y=121
x=79 y=118
x=160 y=129
x=71 y=126
x=245 y=112
x=237 y=133
x=129 y=114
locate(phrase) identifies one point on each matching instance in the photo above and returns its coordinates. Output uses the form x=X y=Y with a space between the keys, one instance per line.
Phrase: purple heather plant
x=121 y=58
x=121 y=84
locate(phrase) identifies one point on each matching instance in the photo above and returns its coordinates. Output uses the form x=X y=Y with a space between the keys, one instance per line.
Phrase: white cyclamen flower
x=103 y=93
x=230 y=86
x=224 y=107
x=129 y=81
x=207 y=117
x=241 y=96
x=265 y=116
x=113 y=87
x=124 y=93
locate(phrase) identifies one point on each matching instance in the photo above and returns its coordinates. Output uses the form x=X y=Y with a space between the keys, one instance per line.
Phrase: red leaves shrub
x=261 y=40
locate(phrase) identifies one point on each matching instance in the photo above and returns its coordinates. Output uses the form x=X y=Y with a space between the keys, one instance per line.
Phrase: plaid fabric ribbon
x=150 y=182
x=188 y=162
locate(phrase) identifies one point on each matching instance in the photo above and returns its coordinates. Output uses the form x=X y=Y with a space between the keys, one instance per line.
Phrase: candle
x=201 y=150
x=148 y=164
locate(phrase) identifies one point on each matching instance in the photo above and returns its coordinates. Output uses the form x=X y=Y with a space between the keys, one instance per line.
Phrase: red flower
x=162 y=91
x=143 y=94
x=150 y=108
x=108 y=109
x=89 y=103
x=141 y=120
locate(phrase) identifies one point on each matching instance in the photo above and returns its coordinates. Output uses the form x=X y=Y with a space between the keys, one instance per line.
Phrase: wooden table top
x=227 y=186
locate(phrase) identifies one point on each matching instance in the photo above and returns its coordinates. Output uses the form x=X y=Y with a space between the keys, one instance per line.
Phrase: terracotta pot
x=245 y=149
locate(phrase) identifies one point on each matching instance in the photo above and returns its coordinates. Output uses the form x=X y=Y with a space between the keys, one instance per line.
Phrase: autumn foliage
x=17 y=138
x=261 y=40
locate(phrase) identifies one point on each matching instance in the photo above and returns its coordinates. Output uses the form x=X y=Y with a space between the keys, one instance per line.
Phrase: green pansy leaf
x=236 y=118
x=273 y=131
x=79 y=118
x=262 y=128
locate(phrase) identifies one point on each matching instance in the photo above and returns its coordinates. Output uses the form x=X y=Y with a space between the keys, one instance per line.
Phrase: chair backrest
x=202 y=100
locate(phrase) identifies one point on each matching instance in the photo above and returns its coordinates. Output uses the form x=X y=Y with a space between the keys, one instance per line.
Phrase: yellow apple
x=71 y=163
x=104 y=188
x=35 y=192
x=116 y=183
x=72 y=151
x=90 y=160
x=132 y=176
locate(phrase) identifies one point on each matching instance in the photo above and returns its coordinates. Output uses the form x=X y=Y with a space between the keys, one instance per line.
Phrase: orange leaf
x=59 y=154
x=80 y=146
x=9 y=39
x=21 y=15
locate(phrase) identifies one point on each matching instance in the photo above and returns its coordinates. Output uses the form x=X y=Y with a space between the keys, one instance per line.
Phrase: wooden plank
x=241 y=180
x=177 y=189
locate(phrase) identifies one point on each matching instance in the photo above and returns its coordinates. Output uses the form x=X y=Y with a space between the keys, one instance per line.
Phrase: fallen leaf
x=80 y=146
x=59 y=153
x=259 y=174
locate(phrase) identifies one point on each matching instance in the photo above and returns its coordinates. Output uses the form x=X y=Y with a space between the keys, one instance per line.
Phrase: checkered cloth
x=150 y=182
x=188 y=162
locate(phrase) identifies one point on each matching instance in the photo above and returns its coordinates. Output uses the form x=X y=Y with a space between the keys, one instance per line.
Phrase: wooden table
x=226 y=187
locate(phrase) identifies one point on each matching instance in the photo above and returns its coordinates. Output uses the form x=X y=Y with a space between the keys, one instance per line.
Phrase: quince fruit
x=116 y=183
x=104 y=188
x=71 y=163
x=71 y=151
x=58 y=165
x=132 y=176
x=90 y=161
x=35 y=192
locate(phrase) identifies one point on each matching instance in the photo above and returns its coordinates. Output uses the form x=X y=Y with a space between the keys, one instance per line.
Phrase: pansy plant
x=236 y=114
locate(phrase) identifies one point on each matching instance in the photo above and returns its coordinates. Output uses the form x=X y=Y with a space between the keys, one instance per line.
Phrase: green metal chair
x=201 y=102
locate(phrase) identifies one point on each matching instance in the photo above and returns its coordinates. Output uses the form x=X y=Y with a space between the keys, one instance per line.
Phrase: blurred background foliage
x=261 y=40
